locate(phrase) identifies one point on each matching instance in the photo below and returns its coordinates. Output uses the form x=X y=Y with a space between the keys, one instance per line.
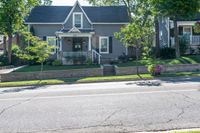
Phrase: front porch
x=187 y=35
x=77 y=50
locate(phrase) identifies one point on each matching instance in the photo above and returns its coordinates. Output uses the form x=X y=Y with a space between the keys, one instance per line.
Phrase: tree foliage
x=12 y=16
x=38 y=50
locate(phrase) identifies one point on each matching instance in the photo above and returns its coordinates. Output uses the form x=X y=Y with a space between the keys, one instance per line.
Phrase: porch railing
x=96 y=57
x=67 y=57
x=192 y=40
x=195 y=40
x=75 y=54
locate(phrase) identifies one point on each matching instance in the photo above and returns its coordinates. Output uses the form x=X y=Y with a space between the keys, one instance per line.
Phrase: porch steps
x=109 y=70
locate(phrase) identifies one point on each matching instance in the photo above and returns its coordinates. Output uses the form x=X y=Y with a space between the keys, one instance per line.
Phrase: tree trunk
x=42 y=65
x=156 y=21
x=4 y=44
x=18 y=39
x=176 y=39
x=10 y=49
x=137 y=59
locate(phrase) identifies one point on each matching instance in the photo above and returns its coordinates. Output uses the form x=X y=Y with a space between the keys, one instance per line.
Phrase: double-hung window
x=104 y=45
x=52 y=42
x=78 y=20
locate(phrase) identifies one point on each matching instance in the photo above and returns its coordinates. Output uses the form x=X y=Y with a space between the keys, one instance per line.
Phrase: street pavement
x=132 y=106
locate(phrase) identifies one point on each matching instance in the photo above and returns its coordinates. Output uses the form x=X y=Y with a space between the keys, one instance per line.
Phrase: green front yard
x=188 y=132
x=95 y=79
x=194 y=59
x=37 y=68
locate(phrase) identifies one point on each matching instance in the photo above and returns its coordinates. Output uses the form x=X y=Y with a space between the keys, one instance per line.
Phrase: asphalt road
x=102 y=107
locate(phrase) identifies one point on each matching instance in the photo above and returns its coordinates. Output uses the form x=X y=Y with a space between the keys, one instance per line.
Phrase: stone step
x=109 y=70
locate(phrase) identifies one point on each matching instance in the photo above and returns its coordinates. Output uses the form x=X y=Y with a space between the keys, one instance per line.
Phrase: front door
x=77 y=44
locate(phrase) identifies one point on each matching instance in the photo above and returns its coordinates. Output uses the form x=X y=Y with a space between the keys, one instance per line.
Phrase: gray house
x=185 y=29
x=80 y=31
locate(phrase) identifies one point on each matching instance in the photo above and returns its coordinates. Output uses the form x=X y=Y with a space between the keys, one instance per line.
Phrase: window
x=187 y=30
x=52 y=42
x=78 y=20
x=104 y=45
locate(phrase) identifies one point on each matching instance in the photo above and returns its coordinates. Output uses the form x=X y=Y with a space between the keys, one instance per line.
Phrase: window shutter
x=57 y=46
x=97 y=48
x=110 y=44
x=180 y=30
x=44 y=38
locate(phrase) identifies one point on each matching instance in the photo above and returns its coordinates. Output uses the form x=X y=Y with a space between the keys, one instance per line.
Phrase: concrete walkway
x=5 y=71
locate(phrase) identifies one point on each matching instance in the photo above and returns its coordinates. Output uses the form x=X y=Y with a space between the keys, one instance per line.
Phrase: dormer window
x=78 y=20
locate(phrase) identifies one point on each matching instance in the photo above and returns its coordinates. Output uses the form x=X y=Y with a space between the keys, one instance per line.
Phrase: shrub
x=198 y=49
x=4 y=60
x=184 y=41
x=155 y=69
x=167 y=53
x=123 y=58
x=49 y=62
x=89 y=62
x=57 y=63
x=197 y=27
x=79 y=59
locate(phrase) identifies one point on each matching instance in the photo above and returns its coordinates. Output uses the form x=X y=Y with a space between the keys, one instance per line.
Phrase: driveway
x=102 y=107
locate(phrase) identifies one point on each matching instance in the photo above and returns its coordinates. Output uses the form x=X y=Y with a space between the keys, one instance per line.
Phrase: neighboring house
x=185 y=29
x=80 y=30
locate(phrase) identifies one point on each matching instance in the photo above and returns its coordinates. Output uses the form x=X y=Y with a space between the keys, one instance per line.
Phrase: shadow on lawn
x=14 y=90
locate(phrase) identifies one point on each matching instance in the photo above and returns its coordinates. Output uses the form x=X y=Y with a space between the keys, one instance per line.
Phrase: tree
x=139 y=33
x=38 y=50
x=12 y=16
x=177 y=9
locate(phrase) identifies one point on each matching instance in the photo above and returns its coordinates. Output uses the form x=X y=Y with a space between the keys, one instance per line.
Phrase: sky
x=69 y=2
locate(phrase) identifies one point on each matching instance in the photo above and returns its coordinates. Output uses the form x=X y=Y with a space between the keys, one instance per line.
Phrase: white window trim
x=78 y=13
x=52 y=37
x=100 y=39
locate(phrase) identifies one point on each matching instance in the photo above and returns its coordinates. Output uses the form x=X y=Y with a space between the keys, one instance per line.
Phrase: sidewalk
x=195 y=130
x=5 y=71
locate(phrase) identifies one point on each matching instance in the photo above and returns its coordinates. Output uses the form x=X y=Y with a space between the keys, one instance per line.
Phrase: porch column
x=89 y=44
x=60 y=44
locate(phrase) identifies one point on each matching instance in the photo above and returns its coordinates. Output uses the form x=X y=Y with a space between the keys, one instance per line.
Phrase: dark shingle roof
x=49 y=14
x=107 y=14
x=57 y=14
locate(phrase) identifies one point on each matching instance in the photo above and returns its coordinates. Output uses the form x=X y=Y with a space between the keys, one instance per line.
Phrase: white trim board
x=180 y=23
x=43 y=23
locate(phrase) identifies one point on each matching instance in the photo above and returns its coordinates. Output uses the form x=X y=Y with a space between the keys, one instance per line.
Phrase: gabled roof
x=58 y=14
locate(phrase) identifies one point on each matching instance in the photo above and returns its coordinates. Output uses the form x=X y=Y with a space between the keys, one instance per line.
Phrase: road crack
x=112 y=114
x=15 y=105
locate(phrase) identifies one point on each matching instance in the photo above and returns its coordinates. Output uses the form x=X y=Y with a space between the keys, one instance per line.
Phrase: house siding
x=164 y=31
x=69 y=23
x=109 y=30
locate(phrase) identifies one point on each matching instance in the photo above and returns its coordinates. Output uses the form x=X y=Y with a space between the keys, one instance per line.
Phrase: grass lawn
x=93 y=79
x=188 y=132
x=193 y=59
x=48 y=68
